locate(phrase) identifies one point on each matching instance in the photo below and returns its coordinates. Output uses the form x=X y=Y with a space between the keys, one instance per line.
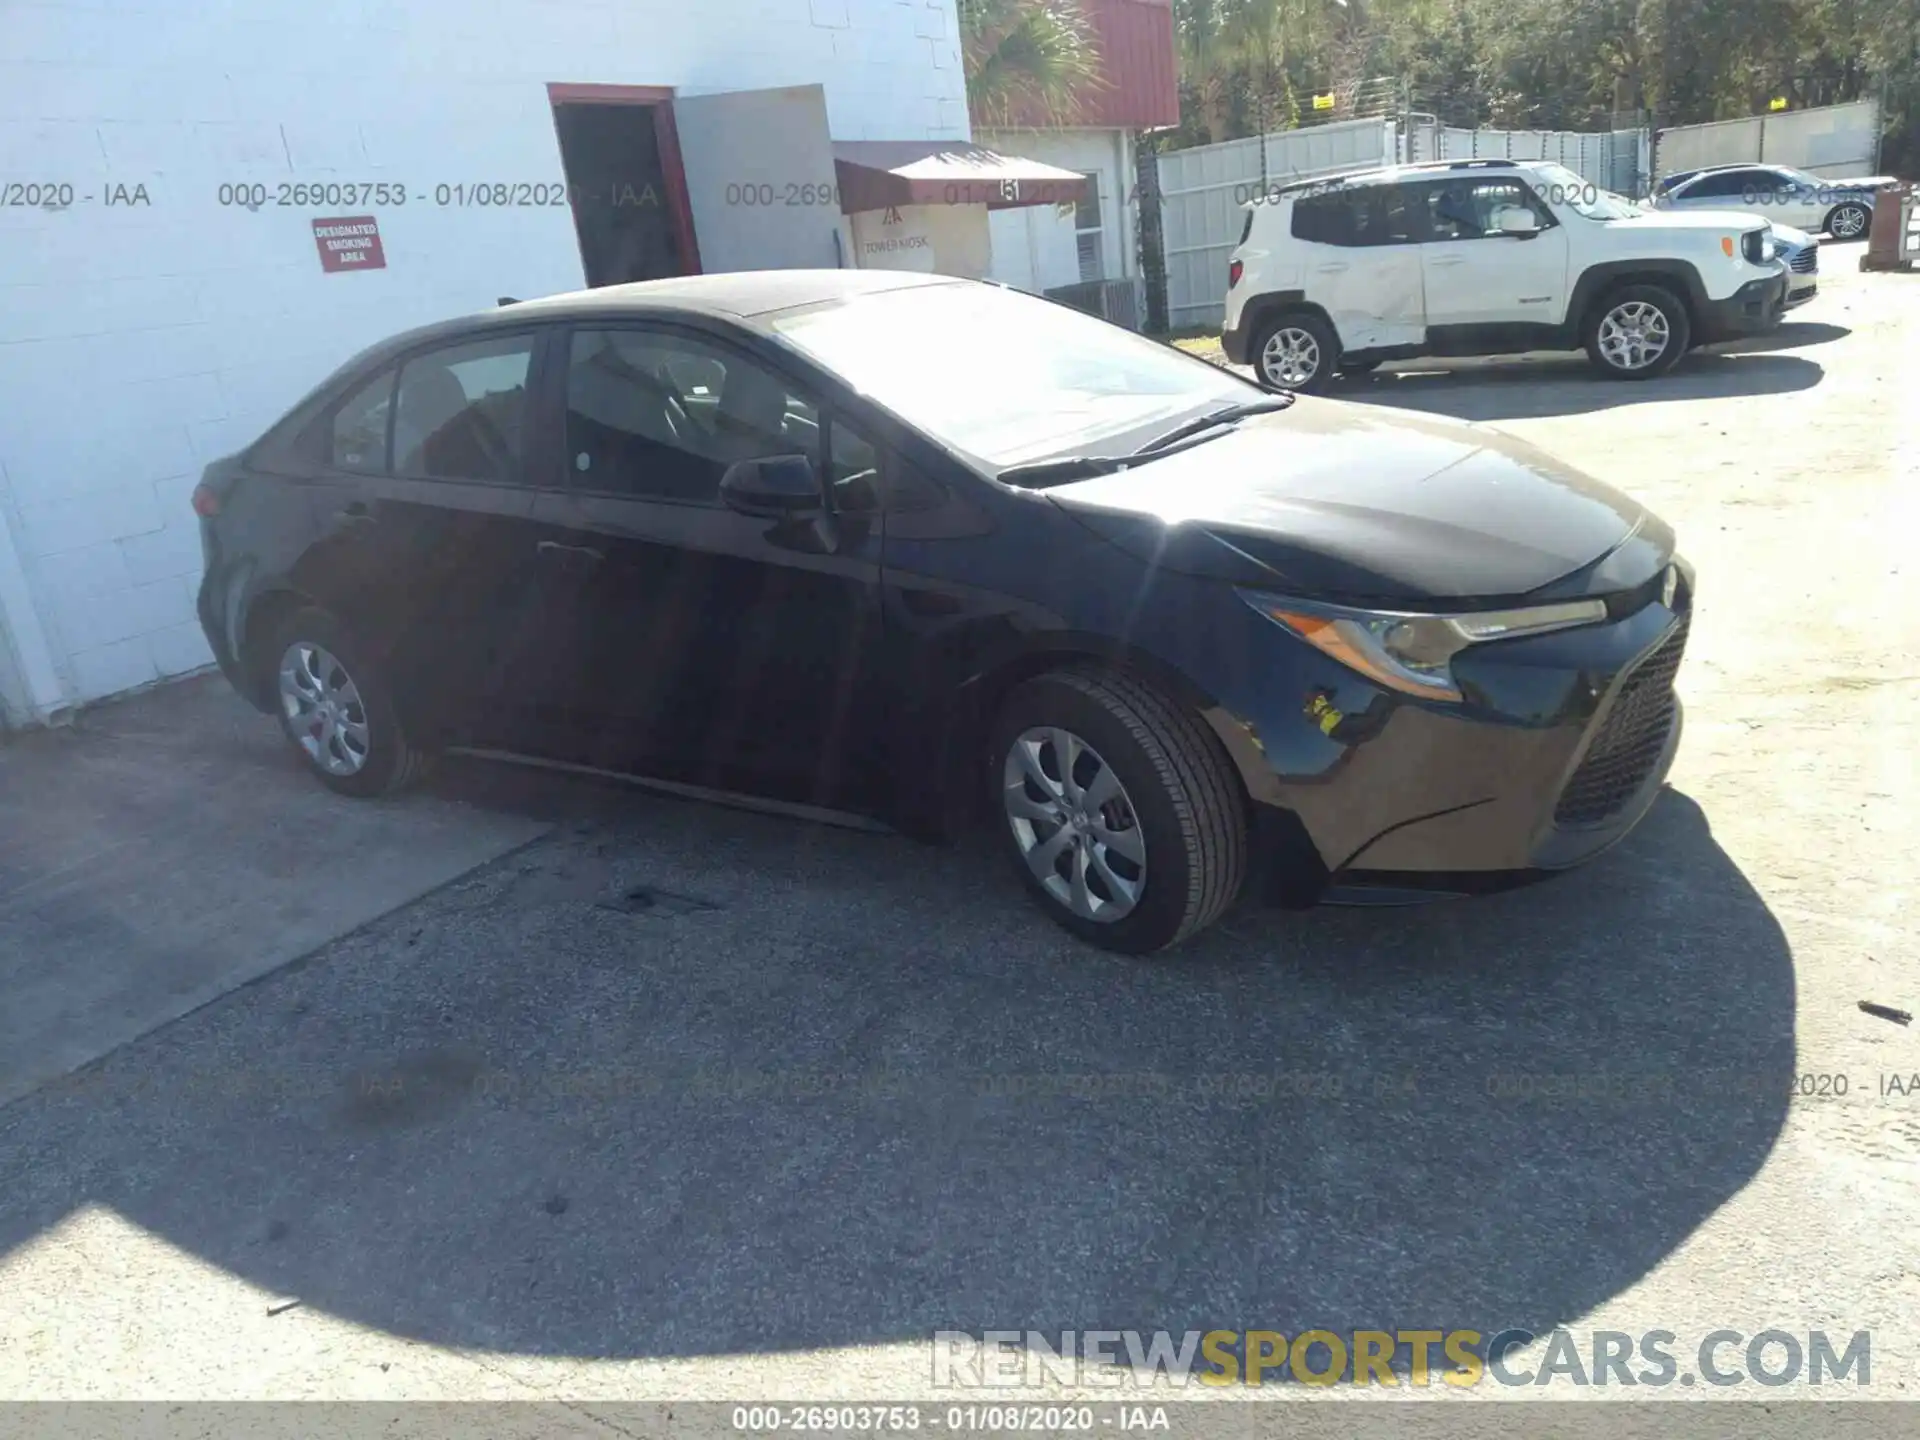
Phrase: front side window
x=1003 y=377
x=462 y=412
x=661 y=416
x=1728 y=185
x=357 y=435
x=1470 y=209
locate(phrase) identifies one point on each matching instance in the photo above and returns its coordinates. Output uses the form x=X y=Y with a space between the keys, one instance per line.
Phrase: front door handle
x=1440 y=260
x=1332 y=269
x=573 y=554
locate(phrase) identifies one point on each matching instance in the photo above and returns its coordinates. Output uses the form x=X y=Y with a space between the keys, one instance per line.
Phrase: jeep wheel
x=1637 y=332
x=1849 y=221
x=1295 y=352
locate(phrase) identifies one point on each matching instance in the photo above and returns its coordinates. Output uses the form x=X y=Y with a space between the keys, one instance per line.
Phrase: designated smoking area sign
x=349 y=243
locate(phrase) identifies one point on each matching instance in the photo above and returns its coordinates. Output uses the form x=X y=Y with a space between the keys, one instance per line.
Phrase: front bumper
x=1562 y=749
x=1753 y=309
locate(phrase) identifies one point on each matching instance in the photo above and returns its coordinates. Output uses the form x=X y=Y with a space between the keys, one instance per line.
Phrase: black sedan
x=918 y=548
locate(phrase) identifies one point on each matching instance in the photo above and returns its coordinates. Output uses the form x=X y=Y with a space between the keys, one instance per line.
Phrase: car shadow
x=1529 y=387
x=680 y=1080
x=1790 y=335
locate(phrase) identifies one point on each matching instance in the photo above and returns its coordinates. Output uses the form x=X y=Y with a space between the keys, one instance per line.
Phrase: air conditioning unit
x=1120 y=302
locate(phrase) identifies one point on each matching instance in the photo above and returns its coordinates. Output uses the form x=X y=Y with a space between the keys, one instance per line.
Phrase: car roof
x=1392 y=174
x=744 y=296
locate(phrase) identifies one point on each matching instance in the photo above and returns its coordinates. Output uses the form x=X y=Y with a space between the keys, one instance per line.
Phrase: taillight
x=1234 y=271
x=206 y=501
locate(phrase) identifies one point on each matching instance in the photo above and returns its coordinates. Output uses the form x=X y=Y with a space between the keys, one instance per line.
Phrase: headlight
x=1414 y=653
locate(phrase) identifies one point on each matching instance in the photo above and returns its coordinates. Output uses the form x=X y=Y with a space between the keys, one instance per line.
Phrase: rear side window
x=1324 y=219
x=1375 y=215
x=462 y=412
x=1246 y=226
x=356 y=440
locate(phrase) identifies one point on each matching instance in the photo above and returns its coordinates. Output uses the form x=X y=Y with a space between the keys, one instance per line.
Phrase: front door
x=1485 y=286
x=717 y=648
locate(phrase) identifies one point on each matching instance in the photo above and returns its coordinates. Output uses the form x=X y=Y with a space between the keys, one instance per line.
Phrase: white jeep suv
x=1486 y=257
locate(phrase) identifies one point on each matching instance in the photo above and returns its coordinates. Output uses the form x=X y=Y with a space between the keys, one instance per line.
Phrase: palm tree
x=1031 y=59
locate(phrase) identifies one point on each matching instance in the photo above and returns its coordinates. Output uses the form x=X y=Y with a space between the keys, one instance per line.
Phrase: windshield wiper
x=1038 y=474
x=1213 y=419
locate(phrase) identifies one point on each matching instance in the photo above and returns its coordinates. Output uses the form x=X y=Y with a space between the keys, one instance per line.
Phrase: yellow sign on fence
x=1780 y=103
x=1323 y=102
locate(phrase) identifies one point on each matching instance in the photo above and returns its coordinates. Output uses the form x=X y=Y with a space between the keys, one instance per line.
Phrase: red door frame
x=660 y=97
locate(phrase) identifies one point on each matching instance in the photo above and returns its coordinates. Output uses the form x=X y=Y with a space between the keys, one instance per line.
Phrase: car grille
x=1630 y=739
x=1807 y=262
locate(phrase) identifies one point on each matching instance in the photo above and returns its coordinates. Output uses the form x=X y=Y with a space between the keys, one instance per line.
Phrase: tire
x=359 y=747
x=1358 y=367
x=1178 y=797
x=1309 y=339
x=1849 y=220
x=1631 y=309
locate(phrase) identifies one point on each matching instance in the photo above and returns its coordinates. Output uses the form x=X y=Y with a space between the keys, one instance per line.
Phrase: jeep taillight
x=1234 y=271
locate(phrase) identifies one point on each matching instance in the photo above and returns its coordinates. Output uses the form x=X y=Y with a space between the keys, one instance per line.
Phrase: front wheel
x=1296 y=352
x=1638 y=332
x=1122 y=813
x=1849 y=221
x=336 y=710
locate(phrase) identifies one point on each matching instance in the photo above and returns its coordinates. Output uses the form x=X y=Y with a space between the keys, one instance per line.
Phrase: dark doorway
x=621 y=161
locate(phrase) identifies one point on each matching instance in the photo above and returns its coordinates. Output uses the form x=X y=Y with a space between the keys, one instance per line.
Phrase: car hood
x=1346 y=502
x=1661 y=218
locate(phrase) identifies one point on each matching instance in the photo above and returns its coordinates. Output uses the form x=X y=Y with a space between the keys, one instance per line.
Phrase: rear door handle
x=1333 y=269
x=1440 y=260
x=573 y=554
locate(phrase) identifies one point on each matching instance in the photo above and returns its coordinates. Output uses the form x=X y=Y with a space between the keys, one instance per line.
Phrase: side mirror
x=778 y=487
x=1518 y=222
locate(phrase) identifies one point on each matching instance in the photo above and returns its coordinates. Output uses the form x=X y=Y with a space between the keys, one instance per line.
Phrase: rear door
x=716 y=648
x=1478 y=276
x=1362 y=264
x=430 y=542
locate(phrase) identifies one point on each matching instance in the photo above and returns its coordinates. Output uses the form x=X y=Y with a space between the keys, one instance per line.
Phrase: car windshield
x=1586 y=197
x=1005 y=377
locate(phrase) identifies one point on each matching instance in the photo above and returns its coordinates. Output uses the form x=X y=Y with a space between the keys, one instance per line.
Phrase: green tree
x=1027 y=59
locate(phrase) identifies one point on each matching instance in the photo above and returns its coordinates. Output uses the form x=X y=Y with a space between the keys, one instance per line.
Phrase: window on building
x=462 y=411
x=1087 y=231
x=357 y=436
x=662 y=416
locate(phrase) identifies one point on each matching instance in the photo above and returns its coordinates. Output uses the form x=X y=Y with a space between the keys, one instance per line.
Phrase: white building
x=208 y=207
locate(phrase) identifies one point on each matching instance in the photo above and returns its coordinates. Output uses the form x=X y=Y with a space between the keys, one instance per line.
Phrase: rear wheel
x=1849 y=221
x=1297 y=351
x=1123 y=815
x=336 y=710
x=1638 y=332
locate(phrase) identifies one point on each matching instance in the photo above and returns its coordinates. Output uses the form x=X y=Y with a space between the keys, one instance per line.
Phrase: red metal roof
x=1136 y=50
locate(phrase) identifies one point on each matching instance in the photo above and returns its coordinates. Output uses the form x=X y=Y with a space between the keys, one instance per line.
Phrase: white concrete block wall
x=139 y=342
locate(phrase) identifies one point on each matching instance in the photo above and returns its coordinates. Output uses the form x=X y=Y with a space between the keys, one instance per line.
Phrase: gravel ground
x=831 y=1091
